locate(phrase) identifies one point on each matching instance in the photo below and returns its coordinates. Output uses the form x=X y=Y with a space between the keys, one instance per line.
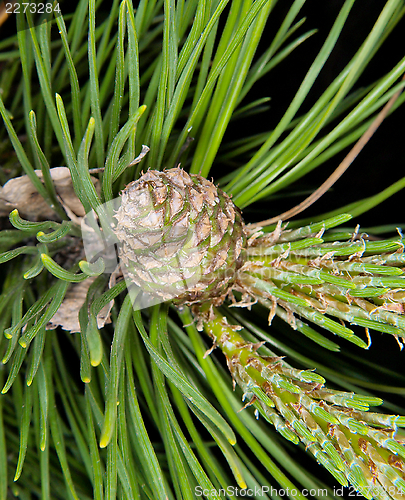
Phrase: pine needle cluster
x=140 y=403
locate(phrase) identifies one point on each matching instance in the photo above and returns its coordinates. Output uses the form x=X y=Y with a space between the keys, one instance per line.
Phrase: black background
x=382 y=161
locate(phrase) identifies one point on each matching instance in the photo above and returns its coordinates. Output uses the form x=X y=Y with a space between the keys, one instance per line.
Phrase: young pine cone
x=181 y=237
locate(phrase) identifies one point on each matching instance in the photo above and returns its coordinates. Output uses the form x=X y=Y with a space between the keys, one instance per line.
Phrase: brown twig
x=340 y=170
